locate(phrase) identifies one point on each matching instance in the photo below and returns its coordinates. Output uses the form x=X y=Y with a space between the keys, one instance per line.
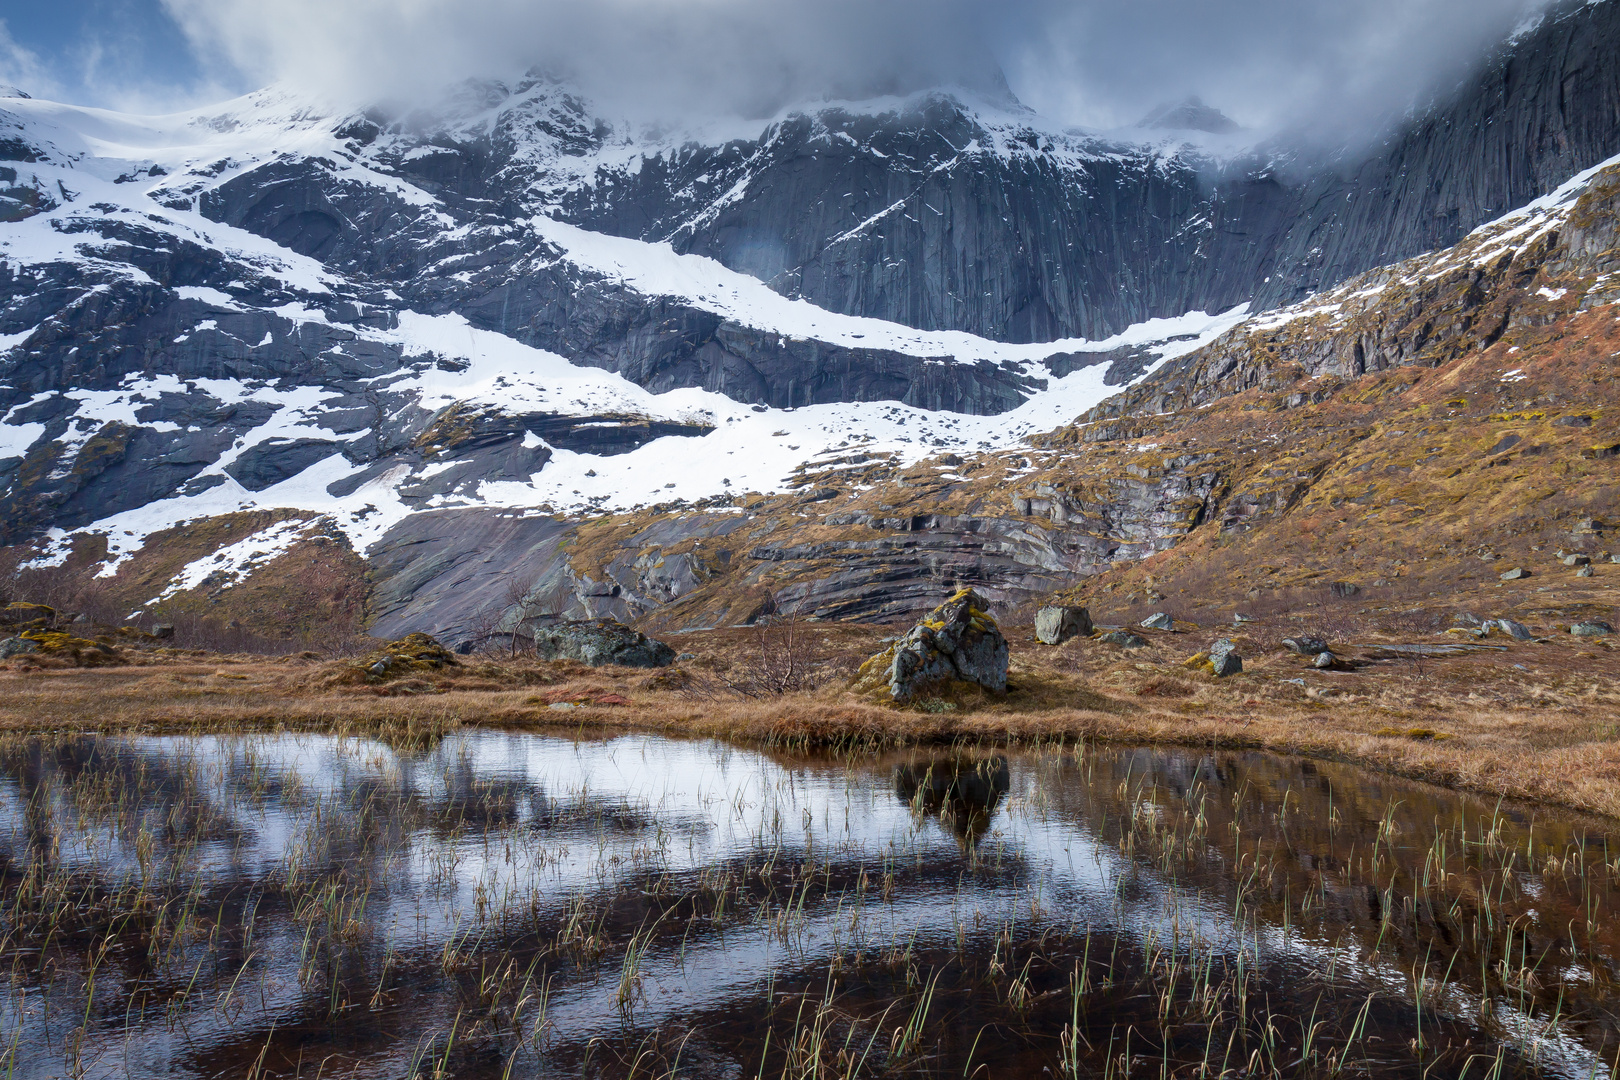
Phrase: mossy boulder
x=957 y=642
x=83 y=652
x=1220 y=659
x=411 y=655
x=25 y=614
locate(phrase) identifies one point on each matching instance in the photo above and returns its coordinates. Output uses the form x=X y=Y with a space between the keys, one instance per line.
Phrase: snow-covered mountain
x=508 y=300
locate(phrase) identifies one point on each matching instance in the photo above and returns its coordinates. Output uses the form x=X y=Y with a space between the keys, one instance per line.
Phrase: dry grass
x=1539 y=722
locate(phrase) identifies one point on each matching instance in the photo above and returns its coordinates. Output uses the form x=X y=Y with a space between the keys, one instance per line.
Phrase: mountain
x=459 y=336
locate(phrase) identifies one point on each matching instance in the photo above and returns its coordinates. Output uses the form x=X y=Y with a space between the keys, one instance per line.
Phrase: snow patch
x=236 y=559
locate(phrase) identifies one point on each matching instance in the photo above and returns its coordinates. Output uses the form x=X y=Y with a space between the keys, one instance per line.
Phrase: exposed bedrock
x=462 y=574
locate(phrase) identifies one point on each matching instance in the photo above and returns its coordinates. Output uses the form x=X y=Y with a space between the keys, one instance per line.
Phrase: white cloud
x=22 y=69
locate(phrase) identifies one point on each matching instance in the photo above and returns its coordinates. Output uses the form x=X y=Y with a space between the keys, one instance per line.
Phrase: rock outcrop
x=600 y=642
x=957 y=644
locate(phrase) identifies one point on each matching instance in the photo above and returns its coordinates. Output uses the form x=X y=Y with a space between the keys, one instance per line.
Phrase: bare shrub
x=782 y=656
x=780 y=661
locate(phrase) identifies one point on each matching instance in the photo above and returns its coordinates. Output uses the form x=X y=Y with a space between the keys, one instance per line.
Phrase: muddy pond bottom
x=523 y=905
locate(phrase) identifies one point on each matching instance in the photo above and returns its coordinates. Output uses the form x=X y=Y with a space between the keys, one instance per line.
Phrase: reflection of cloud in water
x=490 y=839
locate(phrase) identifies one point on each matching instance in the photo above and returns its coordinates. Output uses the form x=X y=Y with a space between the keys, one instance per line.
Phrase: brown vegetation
x=1538 y=720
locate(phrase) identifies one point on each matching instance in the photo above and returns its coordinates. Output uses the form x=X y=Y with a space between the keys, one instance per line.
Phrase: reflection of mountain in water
x=962 y=792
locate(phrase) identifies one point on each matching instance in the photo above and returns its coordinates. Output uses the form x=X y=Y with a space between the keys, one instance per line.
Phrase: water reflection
x=525 y=905
x=962 y=792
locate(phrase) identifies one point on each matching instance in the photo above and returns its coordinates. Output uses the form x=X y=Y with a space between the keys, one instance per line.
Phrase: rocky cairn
x=957 y=645
x=599 y=642
x=1055 y=625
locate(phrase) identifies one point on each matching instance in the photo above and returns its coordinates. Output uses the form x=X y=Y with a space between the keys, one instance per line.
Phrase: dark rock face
x=1305 y=645
x=601 y=642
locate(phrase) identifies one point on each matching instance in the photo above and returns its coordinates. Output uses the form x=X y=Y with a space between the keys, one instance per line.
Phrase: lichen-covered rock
x=1158 y=621
x=16 y=646
x=957 y=642
x=1306 y=645
x=1220 y=659
x=601 y=641
x=24 y=614
x=84 y=652
x=1055 y=625
x=1223 y=658
x=1591 y=628
x=1515 y=630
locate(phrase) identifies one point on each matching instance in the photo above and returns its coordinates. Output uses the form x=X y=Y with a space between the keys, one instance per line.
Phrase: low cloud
x=1334 y=69
x=1326 y=69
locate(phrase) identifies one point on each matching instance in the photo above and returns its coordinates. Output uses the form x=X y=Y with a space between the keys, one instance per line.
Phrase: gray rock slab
x=1055 y=625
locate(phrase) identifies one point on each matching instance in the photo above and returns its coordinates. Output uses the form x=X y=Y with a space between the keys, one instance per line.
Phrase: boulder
x=1516 y=630
x=1585 y=571
x=1325 y=661
x=1576 y=560
x=1055 y=625
x=16 y=646
x=1305 y=645
x=957 y=642
x=1590 y=628
x=1123 y=638
x=1518 y=573
x=1220 y=659
x=1158 y=621
x=162 y=631
x=1223 y=658
x=1344 y=589
x=601 y=641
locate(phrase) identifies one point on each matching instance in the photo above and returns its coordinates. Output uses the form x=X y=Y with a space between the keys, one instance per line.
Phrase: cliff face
x=516 y=310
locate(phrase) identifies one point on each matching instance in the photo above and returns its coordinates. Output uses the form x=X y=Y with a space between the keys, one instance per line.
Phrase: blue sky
x=128 y=54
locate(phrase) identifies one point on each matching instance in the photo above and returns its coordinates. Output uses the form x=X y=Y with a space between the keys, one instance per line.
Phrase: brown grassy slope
x=311 y=596
x=1390 y=484
x=1538 y=721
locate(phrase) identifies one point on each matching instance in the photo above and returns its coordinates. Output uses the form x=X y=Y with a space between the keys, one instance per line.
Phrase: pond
x=501 y=904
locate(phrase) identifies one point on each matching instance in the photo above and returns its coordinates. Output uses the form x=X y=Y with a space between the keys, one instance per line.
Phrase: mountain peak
x=1190 y=115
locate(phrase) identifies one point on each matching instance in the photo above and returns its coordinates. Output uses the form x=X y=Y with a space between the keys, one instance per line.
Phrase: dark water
x=519 y=905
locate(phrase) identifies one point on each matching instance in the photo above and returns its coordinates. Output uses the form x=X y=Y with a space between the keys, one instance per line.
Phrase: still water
x=505 y=904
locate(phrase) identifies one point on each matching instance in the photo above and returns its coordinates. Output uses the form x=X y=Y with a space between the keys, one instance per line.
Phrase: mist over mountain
x=1324 y=73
